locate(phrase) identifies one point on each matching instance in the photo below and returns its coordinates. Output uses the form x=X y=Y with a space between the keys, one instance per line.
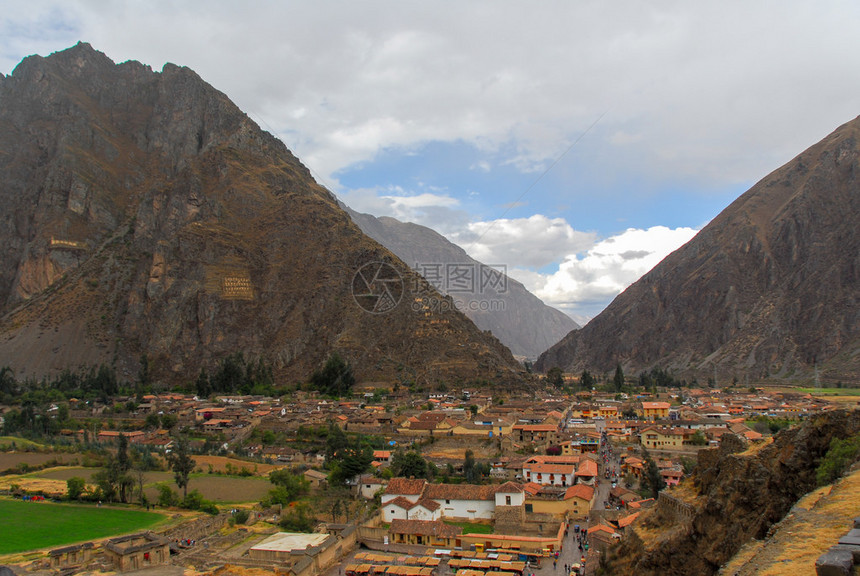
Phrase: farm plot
x=220 y=489
x=36 y=525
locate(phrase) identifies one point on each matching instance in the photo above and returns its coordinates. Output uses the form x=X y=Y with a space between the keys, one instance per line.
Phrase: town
x=464 y=482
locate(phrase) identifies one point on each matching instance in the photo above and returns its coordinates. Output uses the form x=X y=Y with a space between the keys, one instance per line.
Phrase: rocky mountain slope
x=491 y=299
x=144 y=213
x=737 y=495
x=768 y=288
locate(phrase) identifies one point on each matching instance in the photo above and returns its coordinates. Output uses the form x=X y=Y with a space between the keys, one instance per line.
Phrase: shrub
x=841 y=455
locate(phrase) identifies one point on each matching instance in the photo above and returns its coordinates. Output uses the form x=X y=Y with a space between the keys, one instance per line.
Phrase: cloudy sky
x=574 y=142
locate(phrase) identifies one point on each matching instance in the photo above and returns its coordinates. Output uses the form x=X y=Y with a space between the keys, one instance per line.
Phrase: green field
x=33 y=525
x=831 y=391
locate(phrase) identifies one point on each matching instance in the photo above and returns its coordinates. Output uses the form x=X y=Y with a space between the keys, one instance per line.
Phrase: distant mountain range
x=145 y=215
x=492 y=300
x=768 y=289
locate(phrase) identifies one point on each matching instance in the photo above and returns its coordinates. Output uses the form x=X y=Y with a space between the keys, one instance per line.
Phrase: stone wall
x=674 y=507
x=509 y=519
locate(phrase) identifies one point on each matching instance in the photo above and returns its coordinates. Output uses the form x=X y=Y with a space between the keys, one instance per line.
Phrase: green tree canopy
x=335 y=378
x=409 y=464
x=618 y=379
x=181 y=463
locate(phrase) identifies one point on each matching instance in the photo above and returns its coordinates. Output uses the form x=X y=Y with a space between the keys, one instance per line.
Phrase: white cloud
x=703 y=92
x=722 y=90
x=531 y=242
x=584 y=284
x=438 y=211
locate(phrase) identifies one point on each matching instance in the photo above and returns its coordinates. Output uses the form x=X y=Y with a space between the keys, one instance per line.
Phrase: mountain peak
x=146 y=215
x=768 y=289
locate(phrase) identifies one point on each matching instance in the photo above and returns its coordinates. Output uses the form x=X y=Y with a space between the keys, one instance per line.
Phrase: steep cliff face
x=491 y=299
x=770 y=287
x=145 y=214
x=739 y=495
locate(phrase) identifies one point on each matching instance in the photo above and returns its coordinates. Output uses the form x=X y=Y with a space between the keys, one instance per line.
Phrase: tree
x=75 y=487
x=654 y=478
x=698 y=438
x=181 y=463
x=618 y=379
x=168 y=421
x=353 y=460
x=203 y=385
x=409 y=464
x=144 y=375
x=586 y=380
x=124 y=481
x=336 y=510
x=473 y=472
x=166 y=496
x=288 y=486
x=555 y=377
x=335 y=378
x=298 y=519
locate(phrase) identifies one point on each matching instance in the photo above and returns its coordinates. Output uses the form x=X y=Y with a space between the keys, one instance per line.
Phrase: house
x=654 y=410
x=409 y=488
x=410 y=499
x=621 y=495
x=665 y=438
x=549 y=473
x=602 y=536
x=382 y=456
x=672 y=476
x=586 y=472
x=316 y=478
x=538 y=433
x=402 y=509
x=367 y=486
x=433 y=533
x=580 y=499
x=137 y=551
x=464 y=501
x=112 y=436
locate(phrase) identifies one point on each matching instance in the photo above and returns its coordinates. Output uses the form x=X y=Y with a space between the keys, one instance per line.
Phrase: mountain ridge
x=515 y=316
x=147 y=215
x=769 y=288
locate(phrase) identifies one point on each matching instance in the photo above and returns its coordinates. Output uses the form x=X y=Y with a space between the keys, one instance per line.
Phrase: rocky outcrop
x=740 y=495
x=490 y=298
x=145 y=214
x=768 y=288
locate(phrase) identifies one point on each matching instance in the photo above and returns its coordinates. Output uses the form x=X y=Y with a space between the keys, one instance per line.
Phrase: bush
x=166 y=496
x=841 y=455
x=241 y=516
x=298 y=519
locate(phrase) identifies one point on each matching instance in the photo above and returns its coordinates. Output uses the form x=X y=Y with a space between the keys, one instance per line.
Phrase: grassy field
x=7 y=442
x=34 y=525
x=472 y=527
x=11 y=460
x=830 y=391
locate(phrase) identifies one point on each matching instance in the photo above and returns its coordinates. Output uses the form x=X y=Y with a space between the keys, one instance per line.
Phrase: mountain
x=490 y=298
x=145 y=215
x=740 y=495
x=768 y=288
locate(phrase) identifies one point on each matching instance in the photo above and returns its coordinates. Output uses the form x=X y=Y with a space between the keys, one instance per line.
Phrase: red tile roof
x=406 y=486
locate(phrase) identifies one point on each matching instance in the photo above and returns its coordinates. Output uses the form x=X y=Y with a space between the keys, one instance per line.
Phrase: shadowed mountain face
x=143 y=213
x=485 y=294
x=768 y=288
